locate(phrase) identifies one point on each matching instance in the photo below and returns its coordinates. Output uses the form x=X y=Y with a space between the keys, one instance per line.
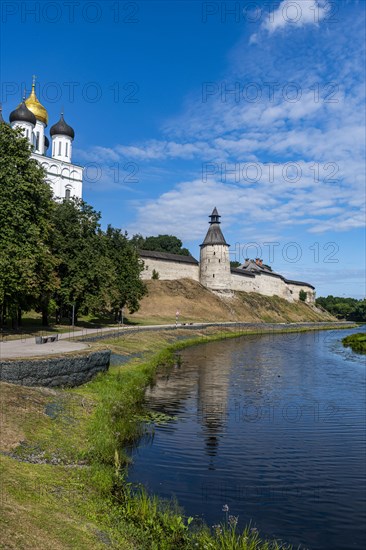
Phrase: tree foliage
x=344 y=308
x=98 y=271
x=27 y=265
x=303 y=295
x=55 y=254
x=161 y=243
x=127 y=266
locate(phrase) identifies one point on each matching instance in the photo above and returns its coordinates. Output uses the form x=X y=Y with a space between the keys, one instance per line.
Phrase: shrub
x=303 y=295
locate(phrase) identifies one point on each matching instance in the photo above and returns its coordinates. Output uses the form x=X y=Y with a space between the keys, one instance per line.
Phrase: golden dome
x=36 y=107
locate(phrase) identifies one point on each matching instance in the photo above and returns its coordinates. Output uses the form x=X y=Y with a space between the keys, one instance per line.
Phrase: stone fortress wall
x=214 y=271
x=169 y=270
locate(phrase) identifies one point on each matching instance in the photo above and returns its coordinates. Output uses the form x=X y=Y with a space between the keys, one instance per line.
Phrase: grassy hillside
x=197 y=303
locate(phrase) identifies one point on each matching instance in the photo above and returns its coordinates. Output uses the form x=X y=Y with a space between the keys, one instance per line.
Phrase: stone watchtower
x=214 y=257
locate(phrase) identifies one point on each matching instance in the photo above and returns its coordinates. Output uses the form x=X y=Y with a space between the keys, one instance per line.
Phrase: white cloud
x=295 y=14
x=322 y=132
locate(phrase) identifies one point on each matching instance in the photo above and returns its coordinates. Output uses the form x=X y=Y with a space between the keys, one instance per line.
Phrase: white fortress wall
x=296 y=287
x=270 y=285
x=243 y=283
x=168 y=270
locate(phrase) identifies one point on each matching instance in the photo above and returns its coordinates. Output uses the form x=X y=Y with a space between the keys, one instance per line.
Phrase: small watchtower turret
x=214 y=257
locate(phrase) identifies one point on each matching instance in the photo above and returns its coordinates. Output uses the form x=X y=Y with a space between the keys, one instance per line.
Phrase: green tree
x=127 y=288
x=27 y=265
x=344 y=308
x=235 y=264
x=161 y=243
x=85 y=271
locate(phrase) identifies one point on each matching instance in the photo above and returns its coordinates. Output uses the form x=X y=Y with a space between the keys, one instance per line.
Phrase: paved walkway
x=67 y=342
x=72 y=340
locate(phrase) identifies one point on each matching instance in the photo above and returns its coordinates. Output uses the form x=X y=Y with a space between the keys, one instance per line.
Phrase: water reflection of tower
x=213 y=382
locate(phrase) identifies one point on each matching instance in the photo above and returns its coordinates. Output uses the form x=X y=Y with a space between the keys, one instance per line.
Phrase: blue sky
x=254 y=107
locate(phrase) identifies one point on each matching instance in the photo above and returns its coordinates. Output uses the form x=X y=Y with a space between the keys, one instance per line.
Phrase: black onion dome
x=22 y=114
x=46 y=142
x=62 y=128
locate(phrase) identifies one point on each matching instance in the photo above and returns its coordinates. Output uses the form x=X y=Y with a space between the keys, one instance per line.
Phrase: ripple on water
x=271 y=425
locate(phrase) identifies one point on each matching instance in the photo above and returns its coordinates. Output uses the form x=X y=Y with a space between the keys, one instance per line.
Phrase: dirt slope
x=197 y=303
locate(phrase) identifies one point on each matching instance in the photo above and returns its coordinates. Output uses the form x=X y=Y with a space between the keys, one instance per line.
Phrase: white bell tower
x=23 y=118
x=62 y=137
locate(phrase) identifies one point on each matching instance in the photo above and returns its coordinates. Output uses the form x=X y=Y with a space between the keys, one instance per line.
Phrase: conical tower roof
x=214 y=234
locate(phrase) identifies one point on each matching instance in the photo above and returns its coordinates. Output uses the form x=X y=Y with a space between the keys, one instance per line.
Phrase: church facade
x=64 y=177
x=215 y=273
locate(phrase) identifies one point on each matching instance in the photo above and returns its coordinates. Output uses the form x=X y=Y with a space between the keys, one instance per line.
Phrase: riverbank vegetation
x=357 y=342
x=349 y=309
x=66 y=459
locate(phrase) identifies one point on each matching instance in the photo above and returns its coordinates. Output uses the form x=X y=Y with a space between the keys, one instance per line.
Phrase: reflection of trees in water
x=213 y=381
x=173 y=387
x=206 y=377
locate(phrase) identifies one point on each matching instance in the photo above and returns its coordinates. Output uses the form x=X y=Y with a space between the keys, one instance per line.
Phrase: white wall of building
x=27 y=129
x=168 y=270
x=242 y=283
x=61 y=148
x=295 y=289
x=66 y=179
x=38 y=139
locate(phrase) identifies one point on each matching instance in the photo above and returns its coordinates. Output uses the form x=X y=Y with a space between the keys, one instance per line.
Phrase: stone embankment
x=69 y=370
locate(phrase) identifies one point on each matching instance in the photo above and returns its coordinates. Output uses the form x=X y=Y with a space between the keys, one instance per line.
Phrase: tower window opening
x=214 y=253
x=54 y=147
x=213 y=275
x=66 y=149
x=68 y=194
x=37 y=141
x=59 y=148
x=219 y=261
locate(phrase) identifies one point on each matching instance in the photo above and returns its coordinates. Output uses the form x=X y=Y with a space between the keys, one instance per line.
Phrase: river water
x=271 y=425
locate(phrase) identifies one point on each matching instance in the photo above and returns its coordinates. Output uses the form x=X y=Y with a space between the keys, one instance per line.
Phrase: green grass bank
x=357 y=342
x=63 y=465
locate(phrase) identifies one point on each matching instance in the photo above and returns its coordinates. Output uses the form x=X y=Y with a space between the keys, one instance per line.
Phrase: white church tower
x=64 y=177
x=23 y=118
x=214 y=257
x=41 y=120
x=62 y=137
